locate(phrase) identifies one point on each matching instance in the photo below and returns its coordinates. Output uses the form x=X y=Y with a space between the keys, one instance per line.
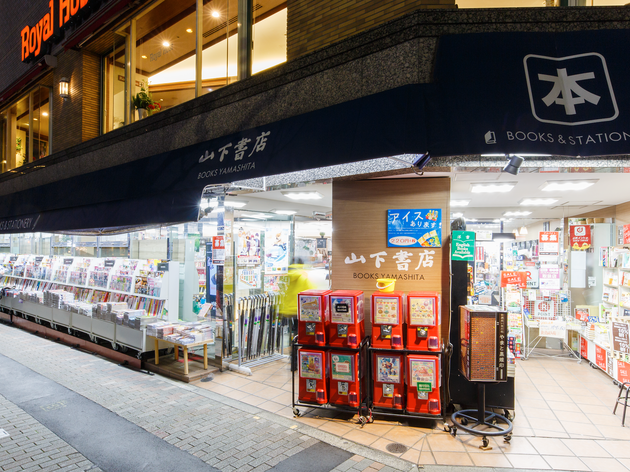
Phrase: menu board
x=422 y=311
x=386 y=311
x=342 y=367
x=388 y=369
x=311 y=365
x=341 y=310
x=309 y=309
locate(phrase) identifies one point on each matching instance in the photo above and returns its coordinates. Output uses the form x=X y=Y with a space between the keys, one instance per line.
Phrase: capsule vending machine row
x=423 y=384
x=347 y=327
x=345 y=378
x=313 y=317
x=423 y=321
x=388 y=309
x=389 y=382
x=312 y=381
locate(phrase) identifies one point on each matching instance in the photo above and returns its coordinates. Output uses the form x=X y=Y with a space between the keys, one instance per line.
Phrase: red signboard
x=626 y=234
x=583 y=348
x=600 y=358
x=582 y=314
x=549 y=242
x=623 y=371
x=580 y=237
x=513 y=278
x=479 y=256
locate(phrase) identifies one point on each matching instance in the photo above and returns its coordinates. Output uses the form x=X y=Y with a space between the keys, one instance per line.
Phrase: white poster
x=553 y=328
x=276 y=251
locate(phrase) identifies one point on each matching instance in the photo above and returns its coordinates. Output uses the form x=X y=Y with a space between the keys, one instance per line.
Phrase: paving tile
x=586 y=448
x=618 y=449
x=599 y=464
x=361 y=437
x=566 y=463
x=481 y=459
x=528 y=461
x=444 y=443
x=452 y=458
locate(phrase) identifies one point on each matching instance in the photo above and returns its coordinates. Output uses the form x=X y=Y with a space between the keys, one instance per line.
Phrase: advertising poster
x=580 y=237
x=621 y=337
x=422 y=312
x=414 y=228
x=311 y=365
x=387 y=369
x=342 y=367
x=341 y=310
x=309 y=309
x=276 y=252
x=218 y=249
x=248 y=247
x=549 y=278
x=513 y=278
x=422 y=373
x=272 y=283
x=549 y=243
x=386 y=311
x=249 y=278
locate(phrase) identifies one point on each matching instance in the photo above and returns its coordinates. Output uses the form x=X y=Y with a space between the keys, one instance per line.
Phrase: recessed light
x=484 y=187
x=44 y=114
x=564 y=185
x=189 y=30
x=234 y=204
x=459 y=203
x=517 y=213
x=215 y=14
x=457 y=215
x=143 y=56
x=166 y=44
x=303 y=195
x=161 y=99
x=284 y=212
x=35 y=119
x=537 y=201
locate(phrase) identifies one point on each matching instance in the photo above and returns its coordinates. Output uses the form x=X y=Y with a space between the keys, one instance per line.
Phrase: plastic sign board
x=549 y=278
x=549 y=243
x=484 y=235
x=580 y=237
x=621 y=337
x=218 y=249
x=532 y=277
x=544 y=309
x=463 y=246
x=513 y=278
x=601 y=358
x=414 y=228
x=552 y=328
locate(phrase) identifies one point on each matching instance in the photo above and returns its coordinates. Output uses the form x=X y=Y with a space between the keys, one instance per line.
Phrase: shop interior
x=567 y=315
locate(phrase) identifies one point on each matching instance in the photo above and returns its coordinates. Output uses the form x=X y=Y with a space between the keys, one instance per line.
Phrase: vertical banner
x=580 y=237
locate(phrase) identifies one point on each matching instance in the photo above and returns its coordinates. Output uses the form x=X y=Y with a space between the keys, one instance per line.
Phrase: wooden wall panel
x=360 y=227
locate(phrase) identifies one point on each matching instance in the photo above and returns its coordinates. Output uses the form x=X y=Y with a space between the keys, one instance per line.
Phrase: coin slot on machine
x=347 y=327
x=313 y=317
x=423 y=387
x=388 y=319
x=388 y=382
x=312 y=380
x=423 y=321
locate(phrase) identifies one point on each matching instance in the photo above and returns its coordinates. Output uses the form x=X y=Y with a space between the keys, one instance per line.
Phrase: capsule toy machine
x=347 y=327
x=312 y=377
x=313 y=317
x=388 y=314
x=345 y=378
x=424 y=321
x=423 y=384
x=388 y=381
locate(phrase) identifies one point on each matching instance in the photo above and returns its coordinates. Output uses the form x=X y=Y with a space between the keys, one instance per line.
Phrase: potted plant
x=144 y=103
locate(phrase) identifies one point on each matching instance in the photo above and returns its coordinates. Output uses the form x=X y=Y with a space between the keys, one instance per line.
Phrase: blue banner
x=414 y=228
x=563 y=94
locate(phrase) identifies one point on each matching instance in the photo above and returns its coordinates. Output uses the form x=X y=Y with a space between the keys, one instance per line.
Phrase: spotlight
x=422 y=160
x=513 y=165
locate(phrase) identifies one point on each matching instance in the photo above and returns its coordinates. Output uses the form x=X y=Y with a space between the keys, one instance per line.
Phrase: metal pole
x=199 y=48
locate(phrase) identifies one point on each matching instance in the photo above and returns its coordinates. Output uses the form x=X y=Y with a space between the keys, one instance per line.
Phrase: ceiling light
x=537 y=201
x=523 y=230
x=44 y=113
x=161 y=99
x=303 y=195
x=166 y=44
x=470 y=219
x=284 y=212
x=143 y=57
x=215 y=14
x=515 y=233
x=496 y=220
x=564 y=185
x=35 y=119
x=457 y=215
x=259 y=216
x=459 y=203
x=483 y=187
x=189 y=30
x=517 y=213
x=234 y=204
x=513 y=165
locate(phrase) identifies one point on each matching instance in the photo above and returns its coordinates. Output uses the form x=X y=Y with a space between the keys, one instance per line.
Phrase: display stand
x=445 y=355
x=528 y=349
x=362 y=410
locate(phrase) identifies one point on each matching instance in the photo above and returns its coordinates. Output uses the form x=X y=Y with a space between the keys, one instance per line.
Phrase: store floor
x=563 y=420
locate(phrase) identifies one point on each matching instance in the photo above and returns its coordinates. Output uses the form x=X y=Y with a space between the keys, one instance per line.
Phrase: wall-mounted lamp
x=513 y=165
x=64 y=88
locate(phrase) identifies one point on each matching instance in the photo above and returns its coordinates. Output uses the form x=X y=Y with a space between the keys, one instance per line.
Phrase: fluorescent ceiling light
x=564 y=185
x=457 y=215
x=484 y=187
x=517 y=213
x=470 y=219
x=259 y=216
x=303 y=195
x=234 y=203
x=537 y=201
x=459 y=203
x=284 y=212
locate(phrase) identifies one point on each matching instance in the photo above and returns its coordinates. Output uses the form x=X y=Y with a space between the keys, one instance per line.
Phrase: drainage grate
x=396 y=448
x=209 y=378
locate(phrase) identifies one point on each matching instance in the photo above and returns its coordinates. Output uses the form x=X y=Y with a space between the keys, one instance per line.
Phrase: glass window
x=269 y=33
x=115 y=70
x=40 y=127
x=220 y=42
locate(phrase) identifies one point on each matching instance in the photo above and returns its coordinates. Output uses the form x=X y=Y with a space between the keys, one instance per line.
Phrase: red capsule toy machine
x=312 y=381
x=389 y=381
x=346 y=328
x=344 y=378
x=423 y=384
x=424 y=321
x=313 y=317
x=388 y=314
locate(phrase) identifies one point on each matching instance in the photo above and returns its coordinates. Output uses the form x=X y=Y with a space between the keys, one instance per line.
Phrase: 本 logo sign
x=572 y=90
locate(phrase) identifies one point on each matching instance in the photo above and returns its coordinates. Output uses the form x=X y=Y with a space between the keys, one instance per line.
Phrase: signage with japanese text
x=463 y=245
x=552 y=328
x=218 y=249
x=414 y=228
x=549 y=243
x=580 y=237
x=549 y=278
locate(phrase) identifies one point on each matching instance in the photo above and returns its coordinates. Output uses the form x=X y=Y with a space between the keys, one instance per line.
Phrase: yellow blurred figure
x=297 y=281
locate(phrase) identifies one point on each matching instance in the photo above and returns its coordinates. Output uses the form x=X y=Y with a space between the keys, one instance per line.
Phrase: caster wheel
x=454 y=432
x=507 y=438
x=362 y=421
x=506 y=413
x=370 y=419
x=485 y=442
x=296 y=412
x=115 y=347
x=447 y=427
x=464 y=421
x=123 y=348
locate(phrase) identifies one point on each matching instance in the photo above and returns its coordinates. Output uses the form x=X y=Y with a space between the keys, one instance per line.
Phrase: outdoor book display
x=108 y=299
x=403 y=377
